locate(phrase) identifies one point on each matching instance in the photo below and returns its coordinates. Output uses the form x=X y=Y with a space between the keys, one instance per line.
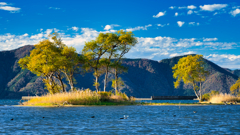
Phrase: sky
x=164 y=29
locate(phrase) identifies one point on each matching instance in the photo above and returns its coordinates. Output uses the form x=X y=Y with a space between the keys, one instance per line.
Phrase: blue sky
x=164 y=28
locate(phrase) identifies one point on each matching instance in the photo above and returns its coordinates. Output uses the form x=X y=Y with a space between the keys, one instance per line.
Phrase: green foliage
x=98 y=53
x=50 y=59
x=207 y=96
x=190 y=70
x=119 y=82
x=235 y=88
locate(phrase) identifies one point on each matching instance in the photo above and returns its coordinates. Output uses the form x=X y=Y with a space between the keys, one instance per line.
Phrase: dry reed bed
x=79 y=97
x=224 y=98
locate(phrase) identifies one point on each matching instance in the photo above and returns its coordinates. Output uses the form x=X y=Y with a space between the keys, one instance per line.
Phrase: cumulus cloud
x=159 y=14
x=180 y=23
x=210 y=39
x=172 y=7
x=225 y=60
x=3 y=3
x=139 y=28
x=235 y=12
x=189 y=12
x=176 y=14
x=191 y=7
x=213 y=7
x=155 y=48
x=110 y=27
x=73 y=28
x=5 y=6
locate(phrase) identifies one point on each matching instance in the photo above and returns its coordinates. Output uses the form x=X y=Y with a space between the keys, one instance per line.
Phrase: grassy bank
x=80 y=97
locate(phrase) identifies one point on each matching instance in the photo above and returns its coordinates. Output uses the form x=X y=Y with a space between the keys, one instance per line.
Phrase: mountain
x=144 y=78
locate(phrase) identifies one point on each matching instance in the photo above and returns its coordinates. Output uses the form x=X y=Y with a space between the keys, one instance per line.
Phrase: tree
x=53 y=60
x=235 y=88
x=190 y=70
x=127 y=41
x=108 y=44
x=44 y=61
x=72 y=64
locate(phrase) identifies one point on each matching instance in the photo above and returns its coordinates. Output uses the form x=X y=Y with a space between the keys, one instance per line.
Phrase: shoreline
x=140 y=104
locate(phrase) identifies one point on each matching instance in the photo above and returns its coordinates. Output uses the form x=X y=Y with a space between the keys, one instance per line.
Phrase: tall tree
x=190 y=70
x=127 y=41
x=109 y=44
x=44 y=61
x=72 y=64
x=235 y=88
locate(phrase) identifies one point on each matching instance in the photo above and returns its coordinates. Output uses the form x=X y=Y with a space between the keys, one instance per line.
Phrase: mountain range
x=143 y=79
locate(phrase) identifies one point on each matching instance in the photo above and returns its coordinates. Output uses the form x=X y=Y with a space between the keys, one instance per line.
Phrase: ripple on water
x=141 y=120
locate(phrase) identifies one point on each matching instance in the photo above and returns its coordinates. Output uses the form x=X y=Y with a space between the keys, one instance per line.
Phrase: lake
x=212 y=119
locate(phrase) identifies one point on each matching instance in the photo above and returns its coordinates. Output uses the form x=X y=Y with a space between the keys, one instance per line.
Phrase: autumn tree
x=72 y=64
x=99 y=52
x=44 y=61
x=190 y=70
x=127 y=41
x=235 y=88
x=53 y=60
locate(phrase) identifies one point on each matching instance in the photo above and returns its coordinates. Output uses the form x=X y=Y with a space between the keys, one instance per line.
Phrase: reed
x=78 y=97
x=224 y=98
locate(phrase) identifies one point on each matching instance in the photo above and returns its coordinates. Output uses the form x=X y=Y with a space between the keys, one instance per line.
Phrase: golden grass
x=77 y=97
x=224 y=98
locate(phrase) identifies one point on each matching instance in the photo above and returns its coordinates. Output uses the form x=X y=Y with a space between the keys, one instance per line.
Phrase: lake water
x=141 y=119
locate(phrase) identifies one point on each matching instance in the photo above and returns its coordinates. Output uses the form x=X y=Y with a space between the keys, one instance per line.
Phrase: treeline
x=55 y=61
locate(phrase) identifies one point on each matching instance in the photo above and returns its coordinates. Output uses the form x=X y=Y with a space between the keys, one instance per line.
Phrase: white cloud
x=162 y=25
x=176 y=14
x=210 y=39
x=213 y=7
x=110 y=27
x=215 y=13
x=3 y=3
x=225 y=60
x=159 y=14
x=180 y=23
x=182 y=7
x=9 y=8
x=193 y=23
x=139 y=28
x=55 y=8
x=172 y=7
x=155 y=48
x=189 y=12
x=235 y=12
x=75 y=28
x=107 y=27
x=191 y=7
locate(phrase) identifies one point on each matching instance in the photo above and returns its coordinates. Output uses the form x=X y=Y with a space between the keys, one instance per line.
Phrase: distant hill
x=144 y=78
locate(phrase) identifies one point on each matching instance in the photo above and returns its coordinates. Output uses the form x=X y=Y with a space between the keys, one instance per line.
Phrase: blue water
x=142 y=120
x=168 y=101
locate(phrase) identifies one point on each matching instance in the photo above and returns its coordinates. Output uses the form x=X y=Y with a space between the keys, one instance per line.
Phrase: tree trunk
x=116 y=81
x=195 y=91
x=105 y=80
x=96 y=83
x=70 y=80
x=200 y=91
x=61 y=82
